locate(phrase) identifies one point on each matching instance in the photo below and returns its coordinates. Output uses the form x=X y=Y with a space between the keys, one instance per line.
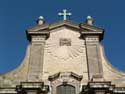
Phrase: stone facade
x=68 y=54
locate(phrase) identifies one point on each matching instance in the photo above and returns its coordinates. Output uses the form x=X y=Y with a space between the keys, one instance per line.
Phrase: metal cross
x=64 y=14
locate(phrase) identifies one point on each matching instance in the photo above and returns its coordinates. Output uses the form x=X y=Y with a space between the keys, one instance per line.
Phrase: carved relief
x=65 y=45
x=65 y=42
x=67 y=78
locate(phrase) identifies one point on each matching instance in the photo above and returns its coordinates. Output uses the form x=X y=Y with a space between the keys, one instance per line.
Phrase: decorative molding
x=64 y=75
x=8 y=91
x=69 y=78
x=65 y=52
x=37 y=87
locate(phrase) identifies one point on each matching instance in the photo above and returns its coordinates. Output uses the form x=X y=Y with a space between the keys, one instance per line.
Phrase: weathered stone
x=64 y=53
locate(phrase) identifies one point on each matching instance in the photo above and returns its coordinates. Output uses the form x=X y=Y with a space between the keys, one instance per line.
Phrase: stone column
x=93 y=56
x=36 y=57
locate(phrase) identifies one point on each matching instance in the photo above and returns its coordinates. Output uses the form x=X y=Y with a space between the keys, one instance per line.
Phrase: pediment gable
x=46 y=28
x=67 y=23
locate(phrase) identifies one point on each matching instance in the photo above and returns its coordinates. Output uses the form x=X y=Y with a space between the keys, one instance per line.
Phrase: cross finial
x=64 y=14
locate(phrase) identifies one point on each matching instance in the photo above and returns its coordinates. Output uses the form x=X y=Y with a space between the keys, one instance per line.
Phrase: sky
x=18 y=15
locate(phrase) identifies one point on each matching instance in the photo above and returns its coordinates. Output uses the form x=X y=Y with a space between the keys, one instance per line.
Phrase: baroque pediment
x=66 y=23
x=45 y=29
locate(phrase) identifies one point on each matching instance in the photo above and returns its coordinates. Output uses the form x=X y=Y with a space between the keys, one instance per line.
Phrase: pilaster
x=92 y=36
x=37 y=41
x=93 y=56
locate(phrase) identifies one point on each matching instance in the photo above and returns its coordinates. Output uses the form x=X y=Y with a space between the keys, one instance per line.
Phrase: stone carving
x=65 y=46
x=69 y=78
x=65 y=42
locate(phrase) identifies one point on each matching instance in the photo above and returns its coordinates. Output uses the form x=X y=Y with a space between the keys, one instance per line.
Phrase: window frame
x=66 y=89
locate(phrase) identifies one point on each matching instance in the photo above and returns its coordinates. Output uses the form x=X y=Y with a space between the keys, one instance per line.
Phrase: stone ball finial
x=40 y=20
x=89 y=20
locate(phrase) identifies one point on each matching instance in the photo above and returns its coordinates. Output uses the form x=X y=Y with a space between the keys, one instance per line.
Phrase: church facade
x=64 y=58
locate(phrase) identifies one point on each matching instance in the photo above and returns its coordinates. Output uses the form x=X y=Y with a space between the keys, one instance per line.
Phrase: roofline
x=64 y=23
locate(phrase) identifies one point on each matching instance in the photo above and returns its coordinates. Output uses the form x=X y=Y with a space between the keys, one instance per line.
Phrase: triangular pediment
x=67 y=23
x=54 y=25
x=46 y=28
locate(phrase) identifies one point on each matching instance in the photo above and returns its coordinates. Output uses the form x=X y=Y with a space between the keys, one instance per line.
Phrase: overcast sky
x=18 y=15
